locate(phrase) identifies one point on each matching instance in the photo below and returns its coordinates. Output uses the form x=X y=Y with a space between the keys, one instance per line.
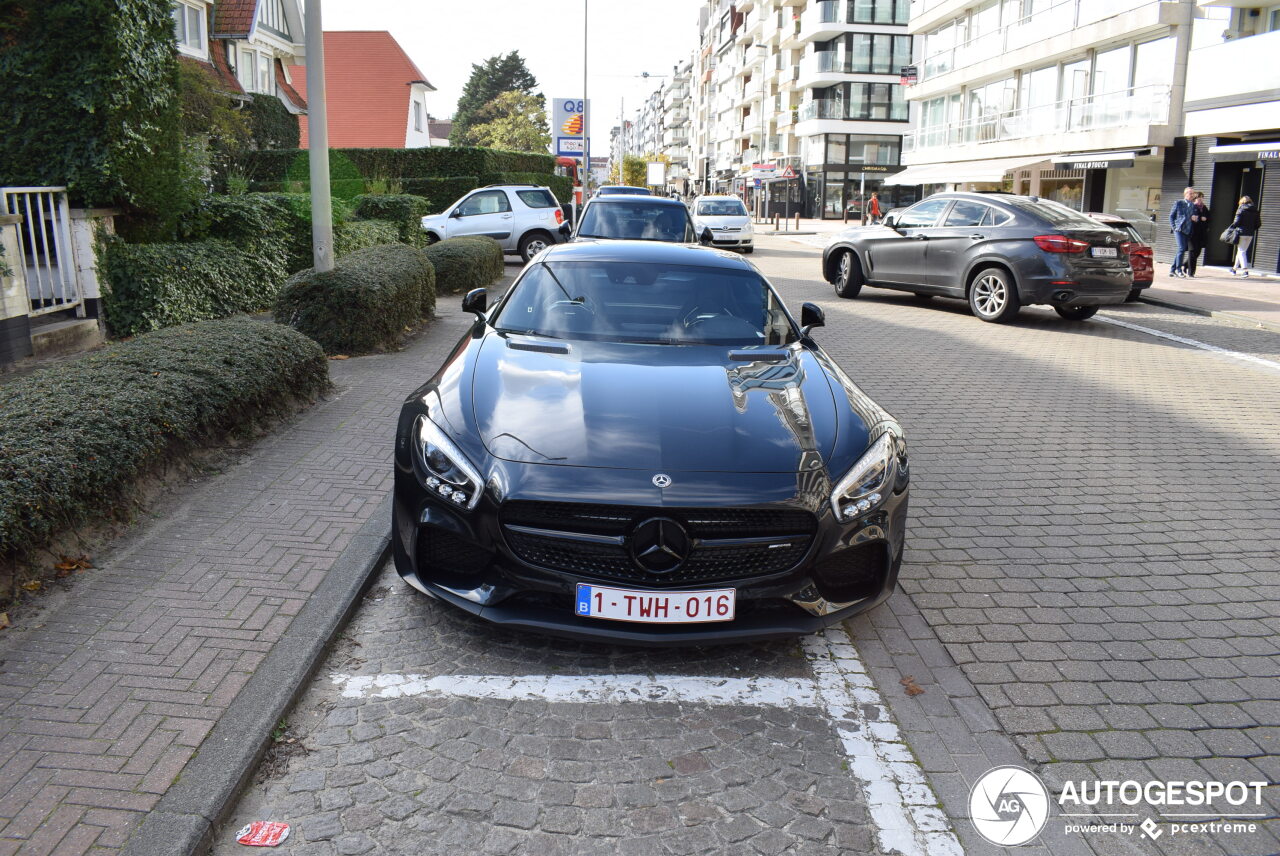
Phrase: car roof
x=651 y=252
x=615 y=188
x=717 y=196
x=610 y=198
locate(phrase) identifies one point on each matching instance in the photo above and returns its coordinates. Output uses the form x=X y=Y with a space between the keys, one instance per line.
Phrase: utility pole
x=586 y=132
x=318 y=142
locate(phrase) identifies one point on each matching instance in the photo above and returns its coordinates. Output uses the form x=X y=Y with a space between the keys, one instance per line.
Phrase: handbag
x=1230 y=235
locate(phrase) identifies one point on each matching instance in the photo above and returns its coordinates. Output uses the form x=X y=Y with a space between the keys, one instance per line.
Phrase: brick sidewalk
x=1215 y=290
x=108 y=692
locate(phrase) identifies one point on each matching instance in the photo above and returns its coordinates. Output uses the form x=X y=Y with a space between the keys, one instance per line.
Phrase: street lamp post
x=318 y=142
x=586 y=127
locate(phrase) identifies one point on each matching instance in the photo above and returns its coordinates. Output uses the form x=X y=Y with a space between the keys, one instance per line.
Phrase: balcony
x=823 y=20
x=1137 y=108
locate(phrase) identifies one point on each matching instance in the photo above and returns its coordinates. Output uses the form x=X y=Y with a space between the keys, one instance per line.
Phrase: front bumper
x=731 y=239
x=467 y=560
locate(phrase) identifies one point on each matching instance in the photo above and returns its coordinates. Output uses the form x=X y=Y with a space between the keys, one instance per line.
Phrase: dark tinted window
x=923 y=213
x=645 y=302
x=632 y=191
x=966 y=213
x=1057 y=215
x=721 y=208
x=485 y=202
x=636 y=220
x=537 y=198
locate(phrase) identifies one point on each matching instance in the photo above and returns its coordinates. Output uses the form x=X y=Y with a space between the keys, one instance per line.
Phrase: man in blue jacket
x=1181 y=224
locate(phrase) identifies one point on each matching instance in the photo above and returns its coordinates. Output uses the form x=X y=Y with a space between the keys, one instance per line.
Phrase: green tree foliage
x=635 y=168
x=498 y=74
x=90 y=100
x=273 y=126
x=513 y=121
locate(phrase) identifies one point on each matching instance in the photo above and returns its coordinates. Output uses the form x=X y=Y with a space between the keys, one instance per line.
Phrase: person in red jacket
x=874 y=207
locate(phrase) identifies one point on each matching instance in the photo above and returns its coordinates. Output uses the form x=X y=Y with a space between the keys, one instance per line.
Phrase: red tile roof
x=233 y=19
x=287 y=90
x=367 y=77
x=218 y=70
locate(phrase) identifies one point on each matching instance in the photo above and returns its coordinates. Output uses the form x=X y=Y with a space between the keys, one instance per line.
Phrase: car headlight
x=449 y=474
x=872 y=478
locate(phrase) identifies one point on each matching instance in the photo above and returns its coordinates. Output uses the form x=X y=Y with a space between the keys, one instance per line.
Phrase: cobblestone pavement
x=107 y=689
x=1092 y=590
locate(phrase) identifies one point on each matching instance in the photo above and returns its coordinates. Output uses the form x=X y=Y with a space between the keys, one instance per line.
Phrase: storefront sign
x=875 y=168
x=1093 y=164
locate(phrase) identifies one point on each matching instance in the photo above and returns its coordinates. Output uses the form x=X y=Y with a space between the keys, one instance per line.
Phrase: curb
x=1211 y=313
x=202 y=798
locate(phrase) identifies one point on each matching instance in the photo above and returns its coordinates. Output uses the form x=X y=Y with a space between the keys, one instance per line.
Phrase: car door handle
x=977 y=237
x=506 y=216
x=919 y=237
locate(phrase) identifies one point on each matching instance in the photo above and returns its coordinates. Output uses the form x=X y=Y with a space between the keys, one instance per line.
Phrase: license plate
x=1104 y=252
x=655 y=607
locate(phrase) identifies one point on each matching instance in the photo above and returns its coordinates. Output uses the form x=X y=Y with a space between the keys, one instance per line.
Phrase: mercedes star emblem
x=662 y=480
x=659 y=545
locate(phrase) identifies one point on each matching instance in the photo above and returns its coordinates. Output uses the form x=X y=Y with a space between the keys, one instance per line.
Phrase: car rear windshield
x=636 y=220
x=721 y=208
x=645 y=302
x=1057 y=214
x=537 y=198
x=621 y=189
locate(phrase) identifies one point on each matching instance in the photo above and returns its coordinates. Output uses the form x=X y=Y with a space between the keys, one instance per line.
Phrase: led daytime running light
x=430 y=439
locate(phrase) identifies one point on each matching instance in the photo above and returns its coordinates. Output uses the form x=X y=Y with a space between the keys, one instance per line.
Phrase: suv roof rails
x=510 y=184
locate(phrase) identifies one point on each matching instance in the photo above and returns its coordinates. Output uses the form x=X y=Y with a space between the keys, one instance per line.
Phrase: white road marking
x=901 y=802
x=1195 y=343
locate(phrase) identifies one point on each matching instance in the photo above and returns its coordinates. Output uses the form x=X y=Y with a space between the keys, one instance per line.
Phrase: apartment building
x=1073 y=100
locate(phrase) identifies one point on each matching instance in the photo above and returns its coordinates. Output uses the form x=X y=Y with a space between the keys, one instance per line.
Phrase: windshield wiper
x=525 y=332
x=581 y=301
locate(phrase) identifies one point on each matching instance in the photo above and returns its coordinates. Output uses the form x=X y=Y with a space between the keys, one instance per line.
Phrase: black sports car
x=639 y=443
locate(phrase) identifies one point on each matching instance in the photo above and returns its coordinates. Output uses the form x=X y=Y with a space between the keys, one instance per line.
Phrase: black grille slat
x=707 y=563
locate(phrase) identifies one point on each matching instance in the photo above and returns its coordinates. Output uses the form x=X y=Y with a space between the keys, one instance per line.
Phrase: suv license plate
x=655 y=607
x=1104 y=252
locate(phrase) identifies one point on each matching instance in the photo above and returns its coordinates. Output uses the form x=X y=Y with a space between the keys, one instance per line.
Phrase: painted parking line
x=1195 y=343
x=902 y=805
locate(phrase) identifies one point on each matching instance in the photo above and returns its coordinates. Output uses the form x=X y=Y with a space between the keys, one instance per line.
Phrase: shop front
x=841 y=171
x=1126 y=183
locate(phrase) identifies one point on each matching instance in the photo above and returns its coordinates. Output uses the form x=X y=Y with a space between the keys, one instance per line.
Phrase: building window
x=879 y=11
x=867 y=101
x=266 y=83
x=188 y=28
x=247 y=69
x=417 y=116
x=272 y=17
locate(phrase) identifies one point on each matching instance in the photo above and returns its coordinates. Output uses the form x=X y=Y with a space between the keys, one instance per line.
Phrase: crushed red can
x=263 y=833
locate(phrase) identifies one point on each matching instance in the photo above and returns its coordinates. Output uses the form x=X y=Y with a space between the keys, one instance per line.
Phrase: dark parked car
x=996 y=250
x=625 y=190
x=1141 y=255
x=639 y=443
x=636 y=218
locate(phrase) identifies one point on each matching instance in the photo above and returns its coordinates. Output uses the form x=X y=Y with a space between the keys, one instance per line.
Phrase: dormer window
x=189 y=28
x=271 y=16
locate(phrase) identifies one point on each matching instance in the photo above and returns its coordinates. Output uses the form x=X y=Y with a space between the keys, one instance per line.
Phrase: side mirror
x=811 y=315
x=705 y=238
x=476 y=301
x=891 y=222
x=457 y=212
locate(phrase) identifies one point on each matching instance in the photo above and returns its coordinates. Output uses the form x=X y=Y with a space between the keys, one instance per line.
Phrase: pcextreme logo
x=1009 y=806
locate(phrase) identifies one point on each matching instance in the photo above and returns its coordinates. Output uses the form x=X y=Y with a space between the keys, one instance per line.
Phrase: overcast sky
x=446 y=37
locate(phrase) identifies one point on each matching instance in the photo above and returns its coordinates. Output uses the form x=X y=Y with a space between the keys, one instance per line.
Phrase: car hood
x=740 y=221
x=653 y=407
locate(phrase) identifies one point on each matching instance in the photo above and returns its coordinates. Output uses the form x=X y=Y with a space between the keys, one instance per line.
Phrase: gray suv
x=523 y=218
x=995 y=250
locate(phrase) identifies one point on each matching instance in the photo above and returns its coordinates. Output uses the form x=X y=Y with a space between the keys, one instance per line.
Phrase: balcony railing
x=1060 y=18
x=1144 y=105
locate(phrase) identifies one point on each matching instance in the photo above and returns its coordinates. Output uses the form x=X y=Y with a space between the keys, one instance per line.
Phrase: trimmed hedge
x=465 y=263
x=383 y=164
x=160 y=285
x=402 y=209
x=360 y=234
x=440 y=193
x=364 y=304
x=74 y=437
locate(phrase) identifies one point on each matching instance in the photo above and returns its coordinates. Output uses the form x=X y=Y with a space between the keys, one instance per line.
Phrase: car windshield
x=1057 y=214
x=721 y=208
x=645 y=302
x=620 y=189
x=636 y=220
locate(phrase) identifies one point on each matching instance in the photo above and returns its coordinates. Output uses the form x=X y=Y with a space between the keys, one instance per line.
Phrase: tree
x=635 y=168
x=498 y=74
x=513 y=121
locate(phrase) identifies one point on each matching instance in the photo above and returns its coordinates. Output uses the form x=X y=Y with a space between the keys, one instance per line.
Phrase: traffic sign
x=788 y=172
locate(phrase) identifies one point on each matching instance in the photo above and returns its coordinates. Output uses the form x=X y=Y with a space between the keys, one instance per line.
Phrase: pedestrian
x=1247 y=223
x=1181 y=225
x=875 y=208
x=1199 y=232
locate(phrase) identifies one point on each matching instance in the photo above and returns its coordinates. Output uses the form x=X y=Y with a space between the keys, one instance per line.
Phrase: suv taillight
x=1060 y=244
x=559 y=216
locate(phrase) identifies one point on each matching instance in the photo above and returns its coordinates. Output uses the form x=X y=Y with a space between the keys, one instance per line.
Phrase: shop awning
x=1244 y=152
x=993 y=170
x=1096 y=160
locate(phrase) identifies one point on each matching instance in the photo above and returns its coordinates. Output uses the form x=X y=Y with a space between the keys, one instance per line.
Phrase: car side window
x=485 y=202
x=996 y=218
x=923 y=213
x=966 y=213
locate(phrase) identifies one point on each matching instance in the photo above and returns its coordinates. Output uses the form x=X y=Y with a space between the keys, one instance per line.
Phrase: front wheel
x=1076 y=313
x=848 y=275
x=746 y=251
x=532 y=244
x=993 y=297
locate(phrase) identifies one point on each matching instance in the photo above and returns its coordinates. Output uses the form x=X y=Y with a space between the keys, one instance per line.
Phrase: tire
x=1134 y=294
x=1076 y=313
x=746 y=251
x=993 y=296
x=533 y=243
x=848 y=275
x=432 y=238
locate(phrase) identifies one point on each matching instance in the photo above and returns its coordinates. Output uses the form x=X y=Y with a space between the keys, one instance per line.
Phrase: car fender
x=828 y=255
x=1011 y=264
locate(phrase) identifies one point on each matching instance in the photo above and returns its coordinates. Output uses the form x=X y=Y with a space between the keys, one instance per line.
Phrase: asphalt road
x=1092 y=554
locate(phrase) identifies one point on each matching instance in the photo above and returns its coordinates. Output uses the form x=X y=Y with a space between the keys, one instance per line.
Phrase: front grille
x=854 y=573
x=441 y=550
x=705 y=563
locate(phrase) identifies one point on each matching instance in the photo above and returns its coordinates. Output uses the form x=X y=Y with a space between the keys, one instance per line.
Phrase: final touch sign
x=1010 y=806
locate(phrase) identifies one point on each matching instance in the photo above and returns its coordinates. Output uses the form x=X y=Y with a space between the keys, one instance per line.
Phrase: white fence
x=45 y=238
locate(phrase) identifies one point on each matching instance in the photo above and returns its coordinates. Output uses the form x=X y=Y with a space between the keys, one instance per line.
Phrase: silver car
x=523 y=218
x=726 y=220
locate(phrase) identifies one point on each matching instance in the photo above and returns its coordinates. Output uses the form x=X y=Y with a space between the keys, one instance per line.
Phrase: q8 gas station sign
x=568 y=126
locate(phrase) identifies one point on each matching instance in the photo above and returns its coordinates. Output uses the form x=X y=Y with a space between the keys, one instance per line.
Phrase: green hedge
x=465 y=263
x=252 y=221
x=364 y=304
x=273 y=126
x=392 y=164
x=440 y=193
x=404 y=210
x=361 y=234
x=74 y=437
x=160 y=285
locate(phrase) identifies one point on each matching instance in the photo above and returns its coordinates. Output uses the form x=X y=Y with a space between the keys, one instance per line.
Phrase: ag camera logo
x=1009 y=805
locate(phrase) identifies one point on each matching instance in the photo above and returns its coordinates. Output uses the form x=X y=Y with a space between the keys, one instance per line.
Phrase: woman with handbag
x=1245 y=226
